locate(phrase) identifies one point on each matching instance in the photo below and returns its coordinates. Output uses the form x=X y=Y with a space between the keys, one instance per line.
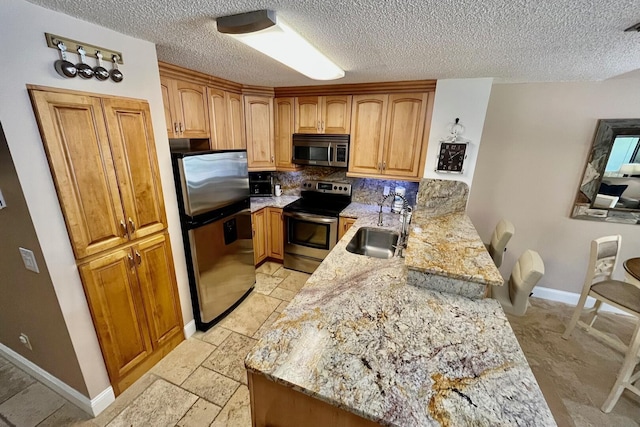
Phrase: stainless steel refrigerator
x=213 y=198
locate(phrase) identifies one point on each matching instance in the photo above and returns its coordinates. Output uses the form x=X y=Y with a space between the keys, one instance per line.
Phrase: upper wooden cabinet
x=259 y=130
x=387 y=137
x=103 y=160
x=186 y=108
x=226 y=120
x=284 y=122
x=323 y=114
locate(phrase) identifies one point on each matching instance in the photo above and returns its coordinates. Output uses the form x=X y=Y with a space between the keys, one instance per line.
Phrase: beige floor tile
x=265 y=283
x=210 y=385
x=247 y=318
x=294 y=281
x=69 y=415
x=268 y=268
x=201 y=414
x=31 y=406
x=282 y=306
x=216 y=335
x=183 y=360
x=266 y=325
x=12 y=381
x=237 y=412
x=283 y=294
x=282 y=272
x=3 y=361
x=124 y=399
x=589 y=416
x=162 y=404
x=228 y=358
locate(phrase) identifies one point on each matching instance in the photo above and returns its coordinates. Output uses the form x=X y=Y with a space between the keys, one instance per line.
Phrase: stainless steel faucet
x=405 y=209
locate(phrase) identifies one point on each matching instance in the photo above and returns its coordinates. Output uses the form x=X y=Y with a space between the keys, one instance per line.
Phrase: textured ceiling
x=391 y=40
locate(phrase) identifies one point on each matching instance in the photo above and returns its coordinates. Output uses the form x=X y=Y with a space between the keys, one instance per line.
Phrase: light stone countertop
x=258 y=203
x=449 y=245
x=356 y=210
x=360 y=338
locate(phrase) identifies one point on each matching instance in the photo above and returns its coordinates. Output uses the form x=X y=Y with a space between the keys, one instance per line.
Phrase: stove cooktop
x=324 y=198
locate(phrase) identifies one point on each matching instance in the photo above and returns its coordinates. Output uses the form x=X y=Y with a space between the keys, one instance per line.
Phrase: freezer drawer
x=222 y=260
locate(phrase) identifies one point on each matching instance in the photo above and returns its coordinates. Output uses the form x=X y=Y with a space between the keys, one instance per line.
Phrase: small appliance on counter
x=311 y=223
x=215 y=215
x=261 y=184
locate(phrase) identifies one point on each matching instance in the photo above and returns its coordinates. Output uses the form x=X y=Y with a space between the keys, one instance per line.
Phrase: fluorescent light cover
x=283 y=44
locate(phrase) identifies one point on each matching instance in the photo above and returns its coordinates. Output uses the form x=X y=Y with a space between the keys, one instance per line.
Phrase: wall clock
x=451 y=157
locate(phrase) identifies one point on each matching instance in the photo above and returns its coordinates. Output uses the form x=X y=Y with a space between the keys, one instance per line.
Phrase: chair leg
x=626 y=372
x=596 y=307
x=576 y=314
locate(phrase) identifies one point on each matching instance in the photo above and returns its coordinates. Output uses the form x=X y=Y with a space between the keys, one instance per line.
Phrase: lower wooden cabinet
x=134 y=303
x=268 y=234
x=344 y=224
x=275 y=236
x=259 y=224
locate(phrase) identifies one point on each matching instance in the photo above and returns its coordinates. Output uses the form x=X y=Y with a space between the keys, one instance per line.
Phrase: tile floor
x=203 y=383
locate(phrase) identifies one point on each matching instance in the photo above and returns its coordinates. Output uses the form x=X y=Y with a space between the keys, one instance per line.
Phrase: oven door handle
x=311 y=218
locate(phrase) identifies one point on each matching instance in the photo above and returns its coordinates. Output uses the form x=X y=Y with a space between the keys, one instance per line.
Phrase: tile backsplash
x=364 y=190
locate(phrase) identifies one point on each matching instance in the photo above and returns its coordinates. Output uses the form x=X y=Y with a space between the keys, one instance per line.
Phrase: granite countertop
x=356 y=210
x=360 y=338
x=258 y=203
x=449 y=245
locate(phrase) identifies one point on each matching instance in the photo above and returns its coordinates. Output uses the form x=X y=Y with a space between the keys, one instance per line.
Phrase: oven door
x=310 y=235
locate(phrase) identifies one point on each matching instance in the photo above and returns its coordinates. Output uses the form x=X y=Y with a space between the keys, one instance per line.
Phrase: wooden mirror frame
x=606 y=133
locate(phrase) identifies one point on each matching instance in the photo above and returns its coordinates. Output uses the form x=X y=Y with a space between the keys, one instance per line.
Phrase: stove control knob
x=335 y=188
x=340 y=188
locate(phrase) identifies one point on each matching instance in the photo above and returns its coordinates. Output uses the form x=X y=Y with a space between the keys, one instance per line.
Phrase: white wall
x=467 y=100
x=536 y=140
x=27 y=60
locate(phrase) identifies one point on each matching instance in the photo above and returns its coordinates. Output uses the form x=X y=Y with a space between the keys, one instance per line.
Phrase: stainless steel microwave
x=321 y=150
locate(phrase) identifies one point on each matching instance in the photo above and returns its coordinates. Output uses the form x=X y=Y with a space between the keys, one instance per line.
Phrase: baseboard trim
x=189 y=329
x=570 y=298
x=92 y=407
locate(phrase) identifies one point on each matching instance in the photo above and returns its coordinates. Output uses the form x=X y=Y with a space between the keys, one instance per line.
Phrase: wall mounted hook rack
x=72 y=46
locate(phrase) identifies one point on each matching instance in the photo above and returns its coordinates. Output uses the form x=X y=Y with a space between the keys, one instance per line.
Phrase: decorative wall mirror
x=610 y=187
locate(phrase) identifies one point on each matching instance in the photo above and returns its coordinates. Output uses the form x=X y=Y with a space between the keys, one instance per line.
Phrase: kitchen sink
x=374 y=242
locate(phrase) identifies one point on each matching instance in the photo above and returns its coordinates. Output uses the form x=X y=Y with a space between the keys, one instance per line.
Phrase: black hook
x=457 y=120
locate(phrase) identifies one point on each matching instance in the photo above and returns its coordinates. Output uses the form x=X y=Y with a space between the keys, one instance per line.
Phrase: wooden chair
x=624 y=296
x=514 y=295
x=499 y=239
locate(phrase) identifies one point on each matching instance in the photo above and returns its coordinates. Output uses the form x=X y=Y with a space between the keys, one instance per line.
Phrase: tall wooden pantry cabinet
x=102 y=156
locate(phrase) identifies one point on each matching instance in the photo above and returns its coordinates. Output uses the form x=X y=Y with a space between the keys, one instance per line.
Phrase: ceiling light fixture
x=264 y=32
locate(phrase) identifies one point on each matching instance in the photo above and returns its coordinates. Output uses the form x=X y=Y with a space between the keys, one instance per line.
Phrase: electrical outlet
x=29 y=260
x=386 y=190
x=24 y=339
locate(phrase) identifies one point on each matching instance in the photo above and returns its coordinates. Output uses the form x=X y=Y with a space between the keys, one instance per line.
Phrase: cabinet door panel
x=191 y=106
x=114 y=299
x=275 y=234
x=135 y=159
x=404 y=130
x=336 y=114
x=259 y=223
x=159 y=291
x=218 y=120
x=367 y=133
x=283 y=117
x=166 y=86
x=308 y=115
x=75 y=137
x=236 y=121
x=260 y=133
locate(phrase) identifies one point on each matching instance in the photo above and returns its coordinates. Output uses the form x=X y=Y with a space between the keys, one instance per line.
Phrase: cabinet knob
x=323 y=126
x=271 y=159
x=123 y=226
x=319 y=127
x=181 y=127
x=132 y=264
x=132 y=225
x=384 y=165
x=138 y=257
x=175 y=127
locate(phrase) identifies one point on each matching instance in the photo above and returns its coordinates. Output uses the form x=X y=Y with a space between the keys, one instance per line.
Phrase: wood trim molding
x=410 y=86
x=358 y=88
x=180 y=73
